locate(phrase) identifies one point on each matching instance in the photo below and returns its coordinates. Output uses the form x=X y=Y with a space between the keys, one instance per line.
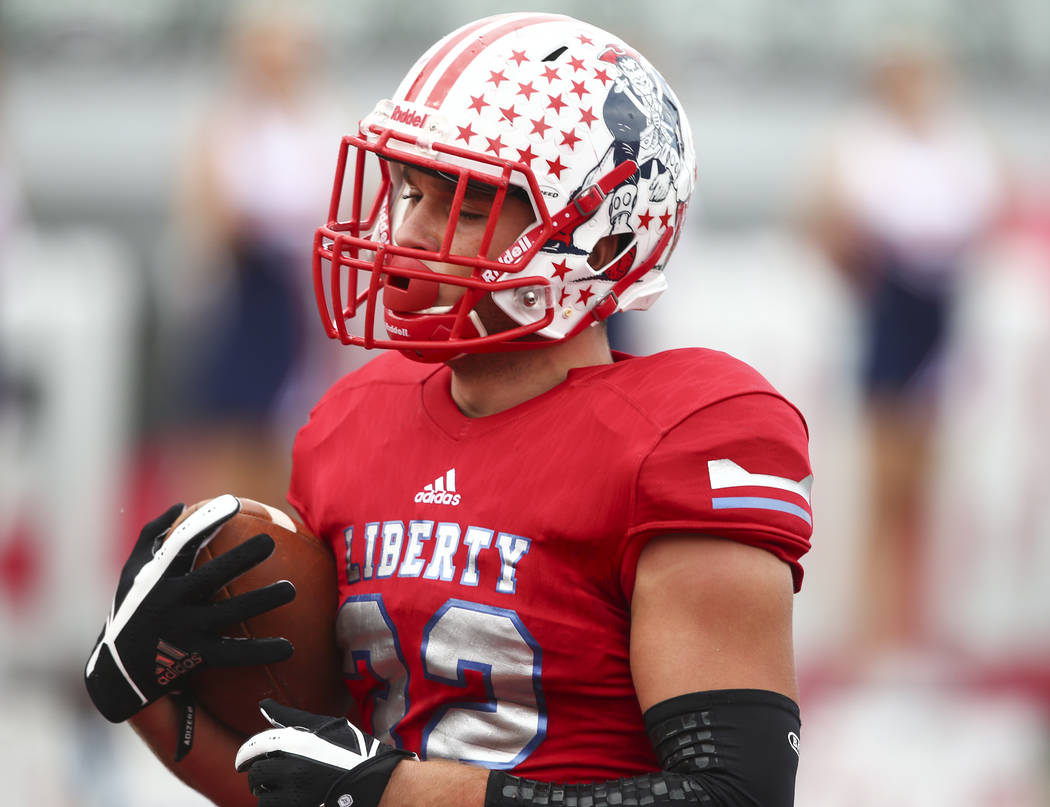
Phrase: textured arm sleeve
x=731 y=748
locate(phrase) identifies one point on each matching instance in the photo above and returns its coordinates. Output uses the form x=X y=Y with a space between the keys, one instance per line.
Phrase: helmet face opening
x=405 y=279
x=512 y=148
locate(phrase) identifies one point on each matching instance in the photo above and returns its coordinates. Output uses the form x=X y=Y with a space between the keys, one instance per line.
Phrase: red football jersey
x=487 y=564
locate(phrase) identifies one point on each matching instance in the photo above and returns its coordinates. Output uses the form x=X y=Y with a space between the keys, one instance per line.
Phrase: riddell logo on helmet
x=396 y=331
x=516 y=250
x=408 y=117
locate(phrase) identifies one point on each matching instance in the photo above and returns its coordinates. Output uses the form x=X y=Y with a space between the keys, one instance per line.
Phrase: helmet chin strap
x=432 y=325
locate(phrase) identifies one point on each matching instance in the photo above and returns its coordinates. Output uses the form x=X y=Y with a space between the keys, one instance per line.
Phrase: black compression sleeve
x=731 y=748
x=740 y=745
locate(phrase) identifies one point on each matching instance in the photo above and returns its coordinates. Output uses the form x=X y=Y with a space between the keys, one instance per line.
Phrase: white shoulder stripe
x=725 y=473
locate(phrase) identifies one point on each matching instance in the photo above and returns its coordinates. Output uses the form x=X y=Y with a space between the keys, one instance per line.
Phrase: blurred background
x=871 y=231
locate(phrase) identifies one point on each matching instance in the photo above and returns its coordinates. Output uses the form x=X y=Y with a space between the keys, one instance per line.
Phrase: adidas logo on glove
x=441 y=491
x=172 y=662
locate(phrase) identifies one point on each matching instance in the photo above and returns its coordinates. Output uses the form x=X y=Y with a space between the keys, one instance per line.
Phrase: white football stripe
x=725 y=473
x=279 y=517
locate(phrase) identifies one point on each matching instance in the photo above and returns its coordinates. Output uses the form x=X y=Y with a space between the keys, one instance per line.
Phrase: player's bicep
x=710 y=614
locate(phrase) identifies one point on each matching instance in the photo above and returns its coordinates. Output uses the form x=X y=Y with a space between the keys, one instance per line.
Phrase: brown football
x=310 y=679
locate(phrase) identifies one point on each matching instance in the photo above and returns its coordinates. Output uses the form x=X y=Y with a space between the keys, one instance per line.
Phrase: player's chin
x=493 y=318
x=495 y=321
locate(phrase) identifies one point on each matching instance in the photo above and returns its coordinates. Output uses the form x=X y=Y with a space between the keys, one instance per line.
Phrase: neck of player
x=487 y=383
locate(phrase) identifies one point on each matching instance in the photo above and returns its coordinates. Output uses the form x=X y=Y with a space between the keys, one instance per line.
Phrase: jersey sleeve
x=737 y=469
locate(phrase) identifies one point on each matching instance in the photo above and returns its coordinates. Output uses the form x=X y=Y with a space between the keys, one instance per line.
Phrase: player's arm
x=208 y=768
x=712 y=662
x=710 y=614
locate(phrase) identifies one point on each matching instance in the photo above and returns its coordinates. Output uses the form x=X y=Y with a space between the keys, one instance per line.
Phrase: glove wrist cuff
x=365 y=784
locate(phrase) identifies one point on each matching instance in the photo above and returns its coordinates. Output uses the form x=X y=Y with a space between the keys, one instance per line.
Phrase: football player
x=566 y=574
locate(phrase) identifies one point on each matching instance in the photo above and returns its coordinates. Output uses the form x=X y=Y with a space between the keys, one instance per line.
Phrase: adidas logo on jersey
x=441 y=491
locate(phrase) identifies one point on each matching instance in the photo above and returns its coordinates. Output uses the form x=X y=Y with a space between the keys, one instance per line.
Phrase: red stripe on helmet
x=455 y=70
x=435 y=60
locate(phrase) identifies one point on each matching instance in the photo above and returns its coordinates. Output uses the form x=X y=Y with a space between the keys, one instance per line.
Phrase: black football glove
x=308 y=760
x=163 y=626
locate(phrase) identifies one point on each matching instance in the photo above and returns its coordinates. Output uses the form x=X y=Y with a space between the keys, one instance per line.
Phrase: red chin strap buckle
x=606 y=307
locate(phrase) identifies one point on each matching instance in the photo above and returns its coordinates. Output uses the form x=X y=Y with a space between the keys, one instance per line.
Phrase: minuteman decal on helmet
x=541 y=106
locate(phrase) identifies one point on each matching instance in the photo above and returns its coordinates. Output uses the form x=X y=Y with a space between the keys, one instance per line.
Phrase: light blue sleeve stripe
x=759 y=503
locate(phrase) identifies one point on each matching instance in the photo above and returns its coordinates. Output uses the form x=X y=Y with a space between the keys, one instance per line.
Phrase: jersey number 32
x=498 y=732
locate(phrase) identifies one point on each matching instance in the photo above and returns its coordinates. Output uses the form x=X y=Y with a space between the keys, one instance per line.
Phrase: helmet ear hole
x=607 y=248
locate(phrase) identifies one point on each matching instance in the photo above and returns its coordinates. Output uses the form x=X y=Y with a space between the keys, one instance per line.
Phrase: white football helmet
x=538 y=105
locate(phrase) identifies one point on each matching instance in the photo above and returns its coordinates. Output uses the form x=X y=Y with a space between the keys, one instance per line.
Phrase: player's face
x=422 y=209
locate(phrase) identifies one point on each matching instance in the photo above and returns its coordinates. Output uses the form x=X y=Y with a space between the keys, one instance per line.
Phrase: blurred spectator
x=992 y=518
x=10 y=209
x=911 y=185
x=254 y=190
x=11 y=203
x=18 y=559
